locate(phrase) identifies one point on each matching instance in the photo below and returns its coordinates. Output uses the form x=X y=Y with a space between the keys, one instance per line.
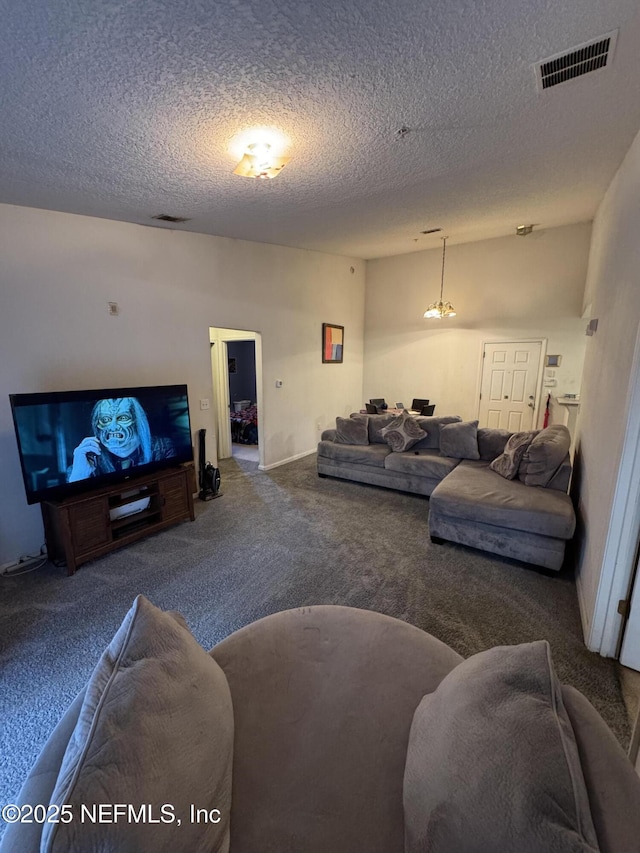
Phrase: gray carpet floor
x=276 y=540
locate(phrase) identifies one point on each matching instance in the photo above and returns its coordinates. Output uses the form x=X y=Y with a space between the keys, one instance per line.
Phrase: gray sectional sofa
x=529 y=518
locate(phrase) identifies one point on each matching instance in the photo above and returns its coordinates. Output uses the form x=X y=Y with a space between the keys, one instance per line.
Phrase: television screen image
x=75 y=440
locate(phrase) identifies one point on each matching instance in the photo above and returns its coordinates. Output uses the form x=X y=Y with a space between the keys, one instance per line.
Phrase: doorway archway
x=219 y=338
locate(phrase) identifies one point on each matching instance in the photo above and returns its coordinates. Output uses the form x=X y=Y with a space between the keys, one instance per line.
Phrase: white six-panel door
x=508 y=387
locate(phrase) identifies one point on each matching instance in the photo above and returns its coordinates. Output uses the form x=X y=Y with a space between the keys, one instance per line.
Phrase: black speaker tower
x=209 y=476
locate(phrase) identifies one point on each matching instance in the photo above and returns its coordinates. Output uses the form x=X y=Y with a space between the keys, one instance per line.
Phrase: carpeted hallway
x=277 y=540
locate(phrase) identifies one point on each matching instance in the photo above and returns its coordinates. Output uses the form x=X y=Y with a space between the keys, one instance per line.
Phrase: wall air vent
x=595 y=54
x=164 y=217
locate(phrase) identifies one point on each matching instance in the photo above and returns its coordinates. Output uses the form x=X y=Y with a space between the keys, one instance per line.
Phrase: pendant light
x=438 y=310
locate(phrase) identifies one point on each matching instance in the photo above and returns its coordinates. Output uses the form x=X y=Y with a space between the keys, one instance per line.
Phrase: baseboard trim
x=285 y=461
x=584 y=618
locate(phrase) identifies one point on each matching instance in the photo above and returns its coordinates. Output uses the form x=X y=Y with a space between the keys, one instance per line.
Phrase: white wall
x=614 y=292
x=57 y=273
x=505 y=288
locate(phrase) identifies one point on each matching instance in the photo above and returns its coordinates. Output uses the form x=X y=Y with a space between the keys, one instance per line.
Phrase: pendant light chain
x=444 y=249
x=441 y=309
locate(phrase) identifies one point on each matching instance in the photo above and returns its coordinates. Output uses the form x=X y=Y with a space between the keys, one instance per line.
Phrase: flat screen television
x=73 y=441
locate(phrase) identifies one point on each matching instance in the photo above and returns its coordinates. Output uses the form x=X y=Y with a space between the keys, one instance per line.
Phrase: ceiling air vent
x=164 y=217
x=580 y=60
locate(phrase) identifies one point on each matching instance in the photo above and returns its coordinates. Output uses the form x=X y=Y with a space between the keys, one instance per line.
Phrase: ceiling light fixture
x=438 y=310
x=260 y=162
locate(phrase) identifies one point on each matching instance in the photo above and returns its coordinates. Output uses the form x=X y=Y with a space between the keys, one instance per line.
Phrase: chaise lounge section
x=483 y=493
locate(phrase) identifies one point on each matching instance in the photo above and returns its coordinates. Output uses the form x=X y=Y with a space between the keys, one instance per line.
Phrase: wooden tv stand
x=83 y=527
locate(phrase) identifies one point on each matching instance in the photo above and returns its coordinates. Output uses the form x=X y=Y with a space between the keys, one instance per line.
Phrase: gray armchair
x=330 y=729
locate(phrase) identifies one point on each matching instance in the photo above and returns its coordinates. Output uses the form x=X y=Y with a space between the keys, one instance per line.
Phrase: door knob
x=530 y=405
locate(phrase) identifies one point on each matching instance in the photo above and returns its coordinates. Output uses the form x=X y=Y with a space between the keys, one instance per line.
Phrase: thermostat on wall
x=552 y=360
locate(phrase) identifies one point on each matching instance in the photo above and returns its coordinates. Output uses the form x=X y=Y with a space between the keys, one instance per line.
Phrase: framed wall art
x=332 y=343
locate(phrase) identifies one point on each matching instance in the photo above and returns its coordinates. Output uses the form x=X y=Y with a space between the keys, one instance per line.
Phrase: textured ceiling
x=131 y=108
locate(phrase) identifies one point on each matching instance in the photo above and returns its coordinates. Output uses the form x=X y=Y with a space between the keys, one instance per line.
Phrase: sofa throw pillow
x=460 y=440
x=376 y=424
x=432 y=427
x=508 y=463
x=352 y=431
x=155 y=728
x=492 y=762
x=491 y=442
x=402 y=433
x=545 y=455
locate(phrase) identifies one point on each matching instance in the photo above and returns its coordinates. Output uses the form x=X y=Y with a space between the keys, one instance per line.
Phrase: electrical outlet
x=319 y=424
x=204 y=405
